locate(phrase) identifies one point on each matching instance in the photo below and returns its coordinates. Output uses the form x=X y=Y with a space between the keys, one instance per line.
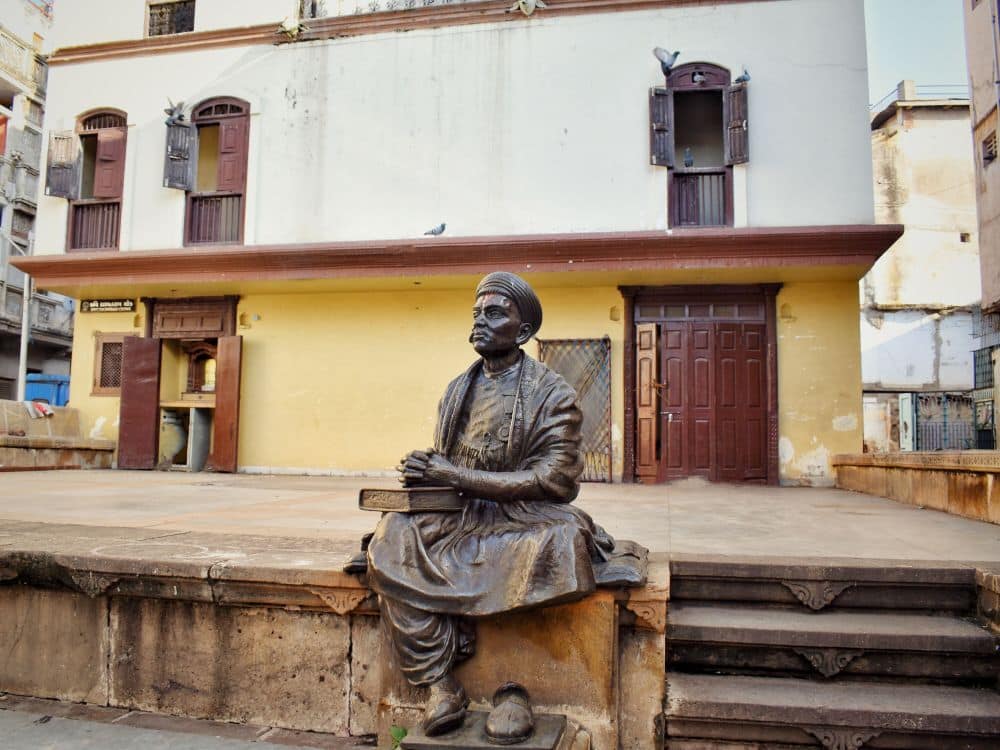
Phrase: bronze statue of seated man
x=507 y=439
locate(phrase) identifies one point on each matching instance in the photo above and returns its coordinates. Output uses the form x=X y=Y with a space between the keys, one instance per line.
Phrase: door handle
x=660 y=386
x=668 y=414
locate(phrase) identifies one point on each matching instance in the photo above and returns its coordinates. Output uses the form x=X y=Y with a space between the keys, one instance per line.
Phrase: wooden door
x=226 y=428
x=741 y=405
x=687 y=419
x=139 y=411
x=675 y=359
x=647 y=404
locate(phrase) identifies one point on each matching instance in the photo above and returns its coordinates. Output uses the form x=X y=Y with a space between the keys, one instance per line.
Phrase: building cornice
x=333 y=27
x=858 y=246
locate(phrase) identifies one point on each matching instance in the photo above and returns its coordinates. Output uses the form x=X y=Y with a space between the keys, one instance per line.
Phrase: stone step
x=817 y=584
x=726 y=711
x=754 y=639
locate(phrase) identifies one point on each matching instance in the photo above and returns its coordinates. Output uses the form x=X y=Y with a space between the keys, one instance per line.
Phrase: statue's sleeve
x=552 y=450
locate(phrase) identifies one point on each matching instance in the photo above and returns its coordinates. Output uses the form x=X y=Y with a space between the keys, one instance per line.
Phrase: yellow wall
x=819 y=379
x=98 y=414
x=351 y=382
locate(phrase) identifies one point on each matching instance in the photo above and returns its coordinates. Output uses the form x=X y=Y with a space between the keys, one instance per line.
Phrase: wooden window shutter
x=109 y=171
x=232 y=154
x=737 y=133
x=139 y=411
x=180 y=164
x=647 y=402
x=226 y=428
x=62 y=178
x=661 y=126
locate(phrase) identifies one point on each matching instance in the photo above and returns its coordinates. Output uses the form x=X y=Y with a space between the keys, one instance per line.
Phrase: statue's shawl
x=545 y=430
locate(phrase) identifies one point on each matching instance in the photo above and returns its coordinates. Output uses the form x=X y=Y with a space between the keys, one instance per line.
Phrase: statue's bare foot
x=445 y=707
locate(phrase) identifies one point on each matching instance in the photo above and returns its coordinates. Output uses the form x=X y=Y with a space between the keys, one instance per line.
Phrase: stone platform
x=222 y=597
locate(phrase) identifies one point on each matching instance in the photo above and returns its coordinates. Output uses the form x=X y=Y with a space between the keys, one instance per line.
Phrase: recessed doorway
x=702 y=386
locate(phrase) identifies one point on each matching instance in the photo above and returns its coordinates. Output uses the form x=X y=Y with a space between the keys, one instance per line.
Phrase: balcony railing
x=28 y=144
x=46 y=314
x=701 y=198
x=20 y=61
x=215 y=218
x=94 y=225
x=18 y=182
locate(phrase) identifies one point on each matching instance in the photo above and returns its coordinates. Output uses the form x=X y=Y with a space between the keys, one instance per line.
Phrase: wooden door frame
x=635 y=294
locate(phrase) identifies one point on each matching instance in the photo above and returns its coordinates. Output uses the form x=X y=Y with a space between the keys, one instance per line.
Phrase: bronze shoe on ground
x=445 y=710
x=511 y=720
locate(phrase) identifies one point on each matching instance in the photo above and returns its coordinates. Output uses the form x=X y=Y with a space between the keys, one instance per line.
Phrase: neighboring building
x=696 y=240
x=919 y=301
x=981 y=44
x=22 y=107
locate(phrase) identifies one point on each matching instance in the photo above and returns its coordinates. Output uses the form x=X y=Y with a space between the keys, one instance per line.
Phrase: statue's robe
x=433 y=570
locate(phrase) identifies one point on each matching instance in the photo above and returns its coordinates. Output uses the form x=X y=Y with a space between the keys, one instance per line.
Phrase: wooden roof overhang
x=813 y=253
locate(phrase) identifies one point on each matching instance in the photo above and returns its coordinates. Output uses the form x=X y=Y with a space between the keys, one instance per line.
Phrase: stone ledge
x=64 y=443
x=227 y=569
x=963 y=483
x=975 y=461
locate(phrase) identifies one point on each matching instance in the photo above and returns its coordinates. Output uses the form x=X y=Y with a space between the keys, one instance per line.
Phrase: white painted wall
x=913 y=350
x=925 y=179
x=533 y=126
x=78 y=22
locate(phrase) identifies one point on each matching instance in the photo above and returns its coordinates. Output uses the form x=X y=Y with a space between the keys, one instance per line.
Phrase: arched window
x=698 y=130
x=87 y=166
x=216 y=200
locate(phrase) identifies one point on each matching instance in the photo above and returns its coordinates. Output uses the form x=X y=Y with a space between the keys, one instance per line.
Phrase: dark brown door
x=686 y=417
x=714 y=393
x=741 y=401
x=226 y=424
x=139 y=413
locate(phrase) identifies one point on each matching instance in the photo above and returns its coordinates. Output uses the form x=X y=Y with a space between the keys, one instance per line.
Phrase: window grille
x=101 y=120
x=982 y=360
x=108 y=348
x=990 y=148
x=111 y=365
x=586 y=365
x=171 y=18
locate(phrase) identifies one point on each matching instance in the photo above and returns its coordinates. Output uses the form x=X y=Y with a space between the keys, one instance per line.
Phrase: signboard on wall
x=107 y=305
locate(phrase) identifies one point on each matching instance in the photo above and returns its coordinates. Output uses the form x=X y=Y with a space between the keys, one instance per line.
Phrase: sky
x=920 y=40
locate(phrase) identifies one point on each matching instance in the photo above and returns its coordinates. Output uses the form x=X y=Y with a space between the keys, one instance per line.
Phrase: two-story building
x=696 y=231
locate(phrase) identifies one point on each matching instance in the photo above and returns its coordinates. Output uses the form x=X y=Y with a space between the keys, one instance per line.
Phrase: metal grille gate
x=586 y=365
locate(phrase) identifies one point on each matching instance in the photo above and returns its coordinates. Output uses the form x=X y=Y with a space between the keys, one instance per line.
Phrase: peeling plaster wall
x=913 y=350
x=925 y=179
x=912 y=336
x=819 y=380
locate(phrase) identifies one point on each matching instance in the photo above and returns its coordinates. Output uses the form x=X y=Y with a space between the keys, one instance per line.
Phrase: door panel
x=139 y=412
x=673 y=411
x=647 y=402
x=226 y=428
x=754 y=410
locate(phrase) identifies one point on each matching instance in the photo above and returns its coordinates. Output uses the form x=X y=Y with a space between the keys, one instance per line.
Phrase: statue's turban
x=516 y=289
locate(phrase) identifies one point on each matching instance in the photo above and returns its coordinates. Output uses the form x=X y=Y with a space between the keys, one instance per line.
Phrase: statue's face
x=496 y=325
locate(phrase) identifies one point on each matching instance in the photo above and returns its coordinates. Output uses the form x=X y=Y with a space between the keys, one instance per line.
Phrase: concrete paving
x=22 y=731
x=41 y=724
x=689 y=518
